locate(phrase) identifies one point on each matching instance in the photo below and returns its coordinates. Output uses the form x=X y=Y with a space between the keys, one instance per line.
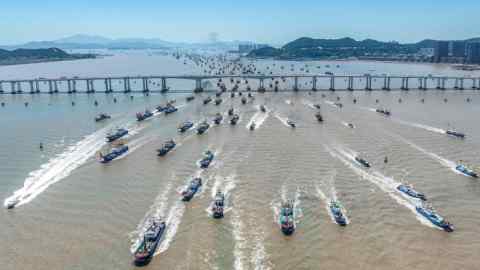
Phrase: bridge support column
x=474 y=83
x=295 y=83
x=107 y=89
x=384 y=83
x=55 y=86
x=88 y=86
x=314 y=83
x=145 y=85
x=420 y=83
x=461 y=84
x=368 y=83
x=261 y=87
x=74 y=86
x=425 y=83
x=126 y=85
x=50 y=87
x=456 y=84
x=406 y=83
x=164 y=85
x=198 y=86
x=1 y=87
x=32 y=89
x=69 y=86
x=443 y=83
x=332 y=83
x=439 y=83
x=37 y=86
x=350 y=83
x=19 y=87
x=12 y=87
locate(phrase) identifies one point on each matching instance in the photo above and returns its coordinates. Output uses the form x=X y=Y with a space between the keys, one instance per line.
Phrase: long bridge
x=318 y=82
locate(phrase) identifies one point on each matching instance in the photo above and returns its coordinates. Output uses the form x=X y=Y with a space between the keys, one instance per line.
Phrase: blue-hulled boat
x=185 y=126
x=218 y=101
x=408 y=189
x=466 y=171
x=430 y=214
x=455 y=134
x=144 y=115
x=336 y=210
x=287 y=219
x=166 y=147
x=192 y=188
x=218 y=119
x=161 y=108
x=116 y=135
x=203 y=127
x=218 y=205
x=170 y=109
x=151 y=237
x=207 y=159
x=116 y=152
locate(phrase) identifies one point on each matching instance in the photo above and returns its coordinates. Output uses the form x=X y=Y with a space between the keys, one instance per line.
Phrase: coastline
x=13 y=62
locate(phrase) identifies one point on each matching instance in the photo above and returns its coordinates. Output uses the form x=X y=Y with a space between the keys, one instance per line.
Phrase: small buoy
x=114 y=100
x=26 y=104
x=41 y=146
x=385 y=160
x=354 y=101
x=338 y=98
x=399 y=100
x=376 y=100
x=468 y=99
x=422 y=100
x=131 y=97
x=73 y=103
x=445 y=100
x=95 y=103
x=3 y=104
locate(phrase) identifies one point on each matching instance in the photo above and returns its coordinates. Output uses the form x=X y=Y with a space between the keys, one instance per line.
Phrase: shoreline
x=38 y=61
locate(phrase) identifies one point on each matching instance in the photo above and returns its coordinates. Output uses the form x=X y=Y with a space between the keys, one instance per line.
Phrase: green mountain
x=20 y=56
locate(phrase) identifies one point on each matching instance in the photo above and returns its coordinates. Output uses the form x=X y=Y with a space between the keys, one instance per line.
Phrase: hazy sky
x=272 y=21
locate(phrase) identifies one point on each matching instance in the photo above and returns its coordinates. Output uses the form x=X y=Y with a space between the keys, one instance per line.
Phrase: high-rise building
x=440 y=51
x=473 y=53
x=458 y=48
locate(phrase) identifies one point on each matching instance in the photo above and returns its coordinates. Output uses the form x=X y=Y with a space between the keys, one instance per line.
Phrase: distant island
x=349 y=48
x=26 y=56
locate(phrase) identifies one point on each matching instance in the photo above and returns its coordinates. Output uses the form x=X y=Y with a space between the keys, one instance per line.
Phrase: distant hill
x=306 y=47
x=22 y=56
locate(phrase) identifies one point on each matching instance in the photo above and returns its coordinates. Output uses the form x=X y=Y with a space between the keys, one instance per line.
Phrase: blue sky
x=268 y=21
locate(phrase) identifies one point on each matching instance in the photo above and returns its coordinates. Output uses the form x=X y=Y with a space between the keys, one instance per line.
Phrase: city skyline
x=190 y=21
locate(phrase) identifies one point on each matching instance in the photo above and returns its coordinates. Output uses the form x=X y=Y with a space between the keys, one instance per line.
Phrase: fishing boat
x=350 y=125
x=383 y=111
x=234 y=119
x=116 y=135
x=429 y=213
x=338 y=104
x=466 y=171
x=319 y=117
x=337 y=213
x=317 y=106
x=408 y=190
x=218 y=101
x=207 y=159
x=170 y=109
x=185 y=126
x=291 y=123
x=145 y=115
x=244 y=100
x=218 y=205
x=218 y=119
x=362 y=162
x=10 y=204
x=287 y=219
x=189 y=98
x=252 y=126
x=115 y=153
x=455 y=134
x=166 y=147
x=230 y=111
x=101 y=117
x=262 y=108
x=203 y=127
x=192 y=189
x=151 y=237
x=207 y=100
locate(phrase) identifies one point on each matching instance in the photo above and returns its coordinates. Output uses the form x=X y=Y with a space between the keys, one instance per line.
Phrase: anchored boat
x=151 y=238
x=429 y=213
x=218 y=205
x=185 y=126
x=115 y=153
x=408 y=189
x=116 y=135
x=166 y=147
x=337 y=213
x=192 y=189
x=287 y=219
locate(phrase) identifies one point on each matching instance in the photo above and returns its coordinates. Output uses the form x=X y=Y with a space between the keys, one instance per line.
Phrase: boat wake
x=386 y=184
x=283 y=120
x=173 y=220
x=309 y=104
x=347 y=125
x=156 y=211
x=59 y=167
x=259 y=117
x=331 y=103
x=239 y=236
x=259 y=257
x=425 y=127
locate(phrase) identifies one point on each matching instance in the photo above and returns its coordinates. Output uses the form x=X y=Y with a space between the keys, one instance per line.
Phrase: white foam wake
x=425 y=127
x=173 y=220
x=259 y=117
x=59 y=167
x=282 y=119
x=386 y=184
x=240 y=240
